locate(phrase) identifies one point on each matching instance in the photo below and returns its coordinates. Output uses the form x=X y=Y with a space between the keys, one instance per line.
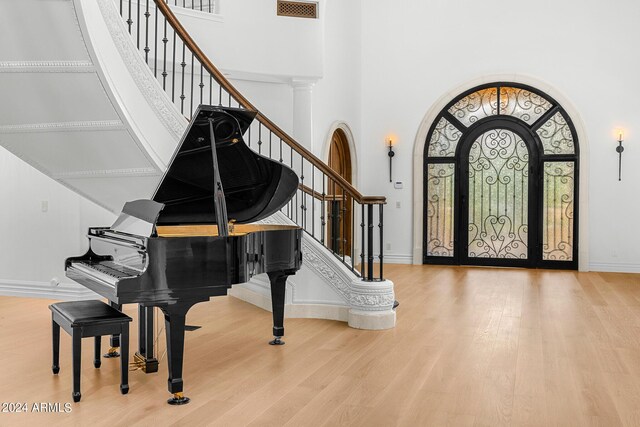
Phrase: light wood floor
x=472 y=346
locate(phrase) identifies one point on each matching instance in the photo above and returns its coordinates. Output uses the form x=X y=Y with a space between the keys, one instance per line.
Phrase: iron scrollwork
x=556 y=136
x=557 y=234
x=444 y=139
x=523 y=104
x=440 y=209
x=476 y=106
x=498 y=189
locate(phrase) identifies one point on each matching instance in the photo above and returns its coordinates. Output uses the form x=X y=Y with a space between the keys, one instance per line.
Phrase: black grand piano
x=195 y=238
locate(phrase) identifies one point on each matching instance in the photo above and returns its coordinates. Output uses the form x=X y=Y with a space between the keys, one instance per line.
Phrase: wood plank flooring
x=472 y=347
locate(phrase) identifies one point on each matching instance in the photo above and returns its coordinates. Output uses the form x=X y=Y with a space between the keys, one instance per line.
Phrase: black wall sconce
x=619 y=150
x=391 y=153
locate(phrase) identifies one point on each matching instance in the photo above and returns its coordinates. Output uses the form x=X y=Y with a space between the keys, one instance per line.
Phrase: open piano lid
x=254 y=186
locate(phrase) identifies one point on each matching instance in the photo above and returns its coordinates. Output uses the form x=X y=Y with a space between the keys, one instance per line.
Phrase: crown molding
x=105 y=173
x=89 y=125
x=47 y=67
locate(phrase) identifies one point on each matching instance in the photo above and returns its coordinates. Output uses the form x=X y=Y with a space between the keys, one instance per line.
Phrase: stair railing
x=326 y=205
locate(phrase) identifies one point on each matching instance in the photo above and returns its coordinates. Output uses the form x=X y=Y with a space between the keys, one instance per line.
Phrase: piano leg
x=174 y=319
x=115 y=339
x=278 y=281
x=145 y=357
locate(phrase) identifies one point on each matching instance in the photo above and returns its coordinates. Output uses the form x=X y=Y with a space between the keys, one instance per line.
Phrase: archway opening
x=339 y=212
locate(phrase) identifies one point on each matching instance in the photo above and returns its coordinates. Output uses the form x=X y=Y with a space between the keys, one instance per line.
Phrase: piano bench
x=91 y=318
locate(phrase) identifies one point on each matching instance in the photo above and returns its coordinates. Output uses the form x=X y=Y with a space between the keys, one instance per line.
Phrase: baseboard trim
x=35 y=289
x=292 y=311
x=610 y=267
x=398 y=259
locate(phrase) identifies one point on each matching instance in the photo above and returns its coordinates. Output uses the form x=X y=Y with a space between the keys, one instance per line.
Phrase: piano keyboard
x=106 y=271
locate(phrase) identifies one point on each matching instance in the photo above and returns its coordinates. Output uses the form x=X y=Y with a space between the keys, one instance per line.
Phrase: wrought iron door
x=498 y=166
x=501 y=180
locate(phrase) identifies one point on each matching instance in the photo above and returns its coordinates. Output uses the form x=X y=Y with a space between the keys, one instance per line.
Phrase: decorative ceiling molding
x=146 y=82
x=90 y=125
x=107 y=173
x=82 y=66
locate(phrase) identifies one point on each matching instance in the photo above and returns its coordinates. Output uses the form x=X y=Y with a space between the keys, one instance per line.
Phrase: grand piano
x=196 y=237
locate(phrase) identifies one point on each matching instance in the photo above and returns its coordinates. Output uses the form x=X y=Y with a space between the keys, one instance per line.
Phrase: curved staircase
x=100 y=106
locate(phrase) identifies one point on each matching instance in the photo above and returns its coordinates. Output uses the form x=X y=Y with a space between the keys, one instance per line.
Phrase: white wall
x=336 y=96
x=414 y=52
x=33 y=243
x=273 y=99
x=251 y=37
x=282 y=49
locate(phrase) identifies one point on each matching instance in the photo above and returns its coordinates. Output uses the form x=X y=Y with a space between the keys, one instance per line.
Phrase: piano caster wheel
x=113 y=352
x=76 y=397
x=124 y=389
x=97 y=364
x=178 y=399
x=276 y=341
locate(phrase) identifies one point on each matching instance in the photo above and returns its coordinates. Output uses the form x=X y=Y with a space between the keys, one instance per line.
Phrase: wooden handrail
x=222 y=81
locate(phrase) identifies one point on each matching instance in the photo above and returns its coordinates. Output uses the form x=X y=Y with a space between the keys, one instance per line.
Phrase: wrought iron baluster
x=303 y=211
x=323 y=210
x=220 y=95
x=164 y=56
x=129 y=20
x=183 y=64
x=201 y=83
x=313 y=199
x=381 y=225
x=191 y=92
x=155 y=44
x=335 y=221
x=260 y=138
x=362 y=244
x=370 y=242
x=173 y=70
x=353 y=236
x=146 y=33
x=343 y=221
x=138 y=26
x=210 y=89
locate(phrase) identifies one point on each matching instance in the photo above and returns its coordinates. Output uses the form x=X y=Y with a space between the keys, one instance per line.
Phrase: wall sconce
x=619 y=150
x=391 y=153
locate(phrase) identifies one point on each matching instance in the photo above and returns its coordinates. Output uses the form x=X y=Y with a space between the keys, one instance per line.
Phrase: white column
x=303 y=112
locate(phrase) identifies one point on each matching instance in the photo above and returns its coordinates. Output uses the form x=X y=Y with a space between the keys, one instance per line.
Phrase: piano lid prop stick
x=219 y=202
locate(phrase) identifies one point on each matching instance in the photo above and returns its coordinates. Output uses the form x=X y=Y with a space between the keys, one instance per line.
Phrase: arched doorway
x=339 y=213
x=501 y=181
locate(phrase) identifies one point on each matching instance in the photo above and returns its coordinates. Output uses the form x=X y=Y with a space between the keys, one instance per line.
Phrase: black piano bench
x=91 y=318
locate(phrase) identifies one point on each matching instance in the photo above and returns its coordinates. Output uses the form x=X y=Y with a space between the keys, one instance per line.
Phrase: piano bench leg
x=76 y=350
x=55 y=366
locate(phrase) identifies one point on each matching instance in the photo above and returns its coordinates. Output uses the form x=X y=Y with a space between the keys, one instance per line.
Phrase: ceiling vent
x=298 y=9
